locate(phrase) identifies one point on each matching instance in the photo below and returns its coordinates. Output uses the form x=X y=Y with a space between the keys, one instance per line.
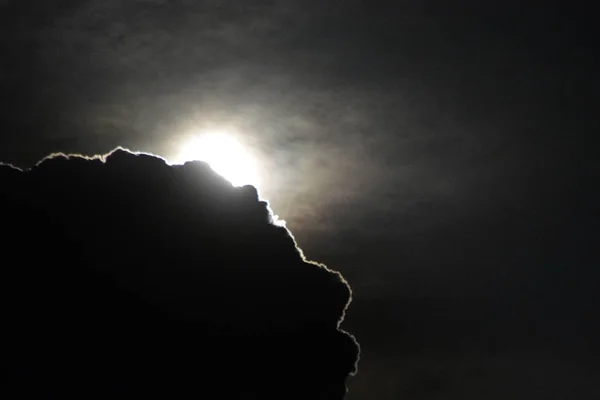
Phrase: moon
x=225 y=155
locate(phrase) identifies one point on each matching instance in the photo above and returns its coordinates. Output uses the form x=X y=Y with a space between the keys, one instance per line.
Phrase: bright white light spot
x=277 y=221
x=226 y=156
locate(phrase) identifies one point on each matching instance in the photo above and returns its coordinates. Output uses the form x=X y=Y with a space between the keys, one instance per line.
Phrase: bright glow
x=226 y=156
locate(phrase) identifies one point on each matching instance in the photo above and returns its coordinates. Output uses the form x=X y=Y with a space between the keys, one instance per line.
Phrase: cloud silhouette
x=127 y=277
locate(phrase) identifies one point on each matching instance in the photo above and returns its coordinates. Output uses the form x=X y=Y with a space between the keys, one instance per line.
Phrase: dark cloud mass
x=124 y=277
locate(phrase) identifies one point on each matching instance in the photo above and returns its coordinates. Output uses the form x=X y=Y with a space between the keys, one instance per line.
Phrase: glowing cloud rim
x=225 y=154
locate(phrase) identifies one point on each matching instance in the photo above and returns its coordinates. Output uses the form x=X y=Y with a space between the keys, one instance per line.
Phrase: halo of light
x=225 y=155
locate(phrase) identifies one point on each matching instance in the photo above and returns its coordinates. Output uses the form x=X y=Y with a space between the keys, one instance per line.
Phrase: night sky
x=439 y=155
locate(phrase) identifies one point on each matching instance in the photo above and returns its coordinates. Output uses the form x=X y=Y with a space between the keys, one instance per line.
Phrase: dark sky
x=439 y=154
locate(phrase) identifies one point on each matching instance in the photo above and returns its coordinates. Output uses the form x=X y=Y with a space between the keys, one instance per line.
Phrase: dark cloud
x=124 y=277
